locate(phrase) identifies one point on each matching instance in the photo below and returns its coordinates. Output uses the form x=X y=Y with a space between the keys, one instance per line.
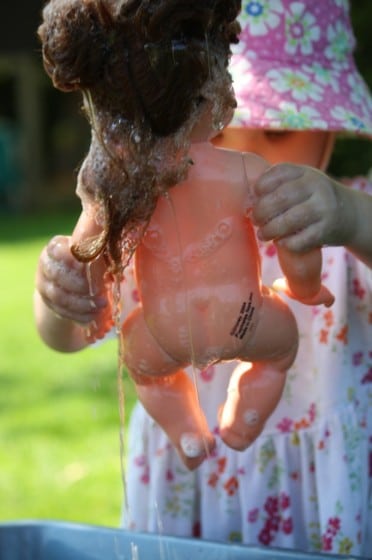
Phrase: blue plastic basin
x=51 y=540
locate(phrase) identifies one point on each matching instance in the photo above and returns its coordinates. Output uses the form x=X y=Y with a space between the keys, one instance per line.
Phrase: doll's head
x=146 y=69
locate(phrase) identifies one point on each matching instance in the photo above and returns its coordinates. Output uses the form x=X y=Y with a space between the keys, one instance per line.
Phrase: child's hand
x=63 y=284
x=302 y=208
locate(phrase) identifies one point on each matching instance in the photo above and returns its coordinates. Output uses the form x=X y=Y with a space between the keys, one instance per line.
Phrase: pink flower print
x=272 y=523
x=368 y=377
x=253 y=515
x=334 y=525
x=169 y=476
x=327 y=543
x=315 y=311
x=312 y=412
x=265 y=537
x=196 y=530
x=285 y=425
x=358 y=290
x=357 y=358
x=140 y=461
x=135 y=296
x=270 y=250
x=287 y=526
x=271 y=505
x=207 y=373
x=285 y=501
x=145 y=477
x=214 y=453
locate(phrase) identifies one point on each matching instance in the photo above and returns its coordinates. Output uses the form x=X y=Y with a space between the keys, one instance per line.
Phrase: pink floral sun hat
x=294 y=69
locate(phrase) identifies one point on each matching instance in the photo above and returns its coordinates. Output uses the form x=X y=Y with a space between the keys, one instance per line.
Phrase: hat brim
x=282 y=96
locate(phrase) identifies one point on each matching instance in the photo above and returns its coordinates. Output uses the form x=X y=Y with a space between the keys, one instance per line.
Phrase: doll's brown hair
x=144 y=68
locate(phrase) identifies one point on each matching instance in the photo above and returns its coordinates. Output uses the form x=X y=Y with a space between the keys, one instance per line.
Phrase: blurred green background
x=59 y=419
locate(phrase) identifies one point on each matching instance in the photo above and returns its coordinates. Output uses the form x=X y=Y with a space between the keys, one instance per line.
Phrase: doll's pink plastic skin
x=198 y=274
x=202 y=302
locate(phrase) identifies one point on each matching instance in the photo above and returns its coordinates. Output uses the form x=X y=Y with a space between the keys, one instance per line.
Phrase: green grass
x=59 y=415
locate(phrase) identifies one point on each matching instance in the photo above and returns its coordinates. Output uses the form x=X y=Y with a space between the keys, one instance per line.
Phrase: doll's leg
x=166 y=391
x=302 y=273
x=255 y=388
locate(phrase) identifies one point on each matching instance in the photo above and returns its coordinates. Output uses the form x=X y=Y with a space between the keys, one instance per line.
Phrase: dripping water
x=116 y=314
x=169 y=200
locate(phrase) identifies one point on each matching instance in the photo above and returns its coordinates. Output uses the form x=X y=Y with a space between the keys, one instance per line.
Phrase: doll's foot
x=252 y=396
x=239 y=435
x=322 y=297
x=194 y=448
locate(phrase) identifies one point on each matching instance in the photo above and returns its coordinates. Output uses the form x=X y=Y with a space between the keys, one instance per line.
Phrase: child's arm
x=303 y=209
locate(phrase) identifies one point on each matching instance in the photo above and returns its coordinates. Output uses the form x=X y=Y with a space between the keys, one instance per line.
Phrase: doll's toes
x=194 y=448
x=322 y=297
x=239 y=440
x=239 y=433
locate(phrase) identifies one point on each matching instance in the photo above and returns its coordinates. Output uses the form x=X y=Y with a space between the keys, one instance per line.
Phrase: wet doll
x=156 y=89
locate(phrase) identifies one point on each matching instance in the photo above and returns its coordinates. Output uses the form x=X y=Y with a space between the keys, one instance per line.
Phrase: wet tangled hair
x=144 y=68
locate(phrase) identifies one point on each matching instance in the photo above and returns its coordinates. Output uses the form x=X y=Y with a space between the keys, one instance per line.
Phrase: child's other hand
x=63 y=283
x=302 y=208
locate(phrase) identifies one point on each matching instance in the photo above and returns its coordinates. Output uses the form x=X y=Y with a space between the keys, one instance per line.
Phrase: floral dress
x=306 y=482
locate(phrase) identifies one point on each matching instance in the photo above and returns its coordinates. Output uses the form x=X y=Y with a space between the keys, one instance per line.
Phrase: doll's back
x=198 y=267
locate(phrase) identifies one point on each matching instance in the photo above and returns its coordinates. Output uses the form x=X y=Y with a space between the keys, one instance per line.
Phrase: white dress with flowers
x=306 y=482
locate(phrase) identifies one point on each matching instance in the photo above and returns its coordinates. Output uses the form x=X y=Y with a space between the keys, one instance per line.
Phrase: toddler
x=304 y=482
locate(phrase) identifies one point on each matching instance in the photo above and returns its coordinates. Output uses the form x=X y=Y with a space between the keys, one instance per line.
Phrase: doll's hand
x=63 y=284
x=302 y=208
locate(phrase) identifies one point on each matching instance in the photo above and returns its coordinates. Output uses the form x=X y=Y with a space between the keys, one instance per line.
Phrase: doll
x=156 y=88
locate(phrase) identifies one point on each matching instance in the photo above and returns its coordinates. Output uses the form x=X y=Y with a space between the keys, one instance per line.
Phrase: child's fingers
x=66 y=277
x=289 y=222
x=304 y=240
x=68 y=305
x=275 y=176
x=280 y=200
